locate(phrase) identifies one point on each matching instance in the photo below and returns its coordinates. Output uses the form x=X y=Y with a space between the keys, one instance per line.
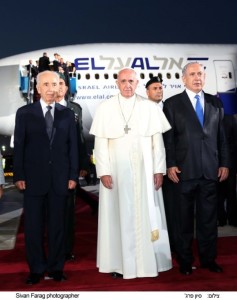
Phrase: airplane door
x=226 y=86
x=225 y=76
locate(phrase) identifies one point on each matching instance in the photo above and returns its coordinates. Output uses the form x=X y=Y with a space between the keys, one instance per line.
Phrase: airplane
x=96 y=72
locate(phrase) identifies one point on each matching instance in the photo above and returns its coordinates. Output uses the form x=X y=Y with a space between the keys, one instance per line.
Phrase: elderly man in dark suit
x=45 y=169
x=197 y=158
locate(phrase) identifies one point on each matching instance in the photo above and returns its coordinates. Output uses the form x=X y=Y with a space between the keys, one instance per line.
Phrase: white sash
x=152 y=208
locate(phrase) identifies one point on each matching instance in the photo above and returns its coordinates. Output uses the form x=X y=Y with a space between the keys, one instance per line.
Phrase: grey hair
x=184 y=70
x=45 y=72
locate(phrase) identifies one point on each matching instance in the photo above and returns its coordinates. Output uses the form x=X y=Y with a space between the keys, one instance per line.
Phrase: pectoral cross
x=126 y=128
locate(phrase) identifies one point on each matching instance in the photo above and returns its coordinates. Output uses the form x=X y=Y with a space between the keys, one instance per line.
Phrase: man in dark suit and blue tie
x=197 y=158
x=45 y=170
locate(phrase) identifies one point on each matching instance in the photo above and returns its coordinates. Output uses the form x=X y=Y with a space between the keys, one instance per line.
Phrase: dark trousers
x=197 y=200
x=70 y=222
x=170 y=203
x=44 y=220
x=70 y=218
x=227 y=200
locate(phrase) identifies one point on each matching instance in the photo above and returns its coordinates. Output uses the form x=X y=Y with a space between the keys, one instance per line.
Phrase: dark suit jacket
x=196 y=151
x=33 y=69
x=56 y=64
x=230 y=124
x=41 y=162
x=82 y=148
x=44 y=63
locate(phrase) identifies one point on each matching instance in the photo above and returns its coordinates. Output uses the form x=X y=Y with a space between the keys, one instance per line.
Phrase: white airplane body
x=97 y=66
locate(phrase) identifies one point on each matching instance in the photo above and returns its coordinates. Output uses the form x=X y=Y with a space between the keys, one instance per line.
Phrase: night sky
x=28 y=25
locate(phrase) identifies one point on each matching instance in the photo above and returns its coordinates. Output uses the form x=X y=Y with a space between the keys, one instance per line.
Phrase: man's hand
x=72 y=184
x=1 y=191
x=107 y=181
x=172 y=174
x=223 y=173
x=158 y=180
x=21 y=185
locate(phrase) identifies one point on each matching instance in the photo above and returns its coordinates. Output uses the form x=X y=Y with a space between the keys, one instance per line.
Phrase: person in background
x=71 y=68
x=44 y=63
x=82 y=166
x=45 y=170
x=32 y=69
x=32 y=74
x=227 y=200
x=154 y=91
x=130 y=162
x=197 y=158
x=61 y=71
x=56 y=62
x=2 y=178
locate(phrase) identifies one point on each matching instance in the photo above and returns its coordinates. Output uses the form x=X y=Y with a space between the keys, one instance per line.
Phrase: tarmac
x=11 y=208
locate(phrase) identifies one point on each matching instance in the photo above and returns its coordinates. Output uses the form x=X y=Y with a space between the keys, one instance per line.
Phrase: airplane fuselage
x=97 y=66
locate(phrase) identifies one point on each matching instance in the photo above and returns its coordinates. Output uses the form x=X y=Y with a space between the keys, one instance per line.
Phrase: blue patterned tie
x=199 y=110
x=49 y=121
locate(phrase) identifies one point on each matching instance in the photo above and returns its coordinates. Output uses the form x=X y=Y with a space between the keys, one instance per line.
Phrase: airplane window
x=160 y=75
x=168 y=75
x=88 y=76
x=142 y=76
x=230 y=75
x=106 y=76
x=78 y=76
x=97 y=76
x=115 y=76
x=177 y=75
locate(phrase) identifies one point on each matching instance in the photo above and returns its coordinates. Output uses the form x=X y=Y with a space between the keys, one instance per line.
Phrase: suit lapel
x=38 y=109
x=55 y=123
x=40 y=115
x=207 y=110
x=188 y=107
x=57 y=117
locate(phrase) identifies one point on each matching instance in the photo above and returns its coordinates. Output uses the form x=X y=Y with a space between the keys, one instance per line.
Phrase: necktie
x=49 y=121
x=199 y=110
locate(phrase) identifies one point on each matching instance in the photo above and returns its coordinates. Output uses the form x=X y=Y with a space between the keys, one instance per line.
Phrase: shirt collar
x=63 y=102
x=191 y=94
x=44 y=104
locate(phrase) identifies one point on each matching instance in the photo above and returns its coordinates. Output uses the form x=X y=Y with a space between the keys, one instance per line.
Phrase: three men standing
x=130 y=161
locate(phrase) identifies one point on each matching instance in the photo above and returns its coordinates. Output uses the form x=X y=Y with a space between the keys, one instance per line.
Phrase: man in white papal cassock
x=130 y=162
